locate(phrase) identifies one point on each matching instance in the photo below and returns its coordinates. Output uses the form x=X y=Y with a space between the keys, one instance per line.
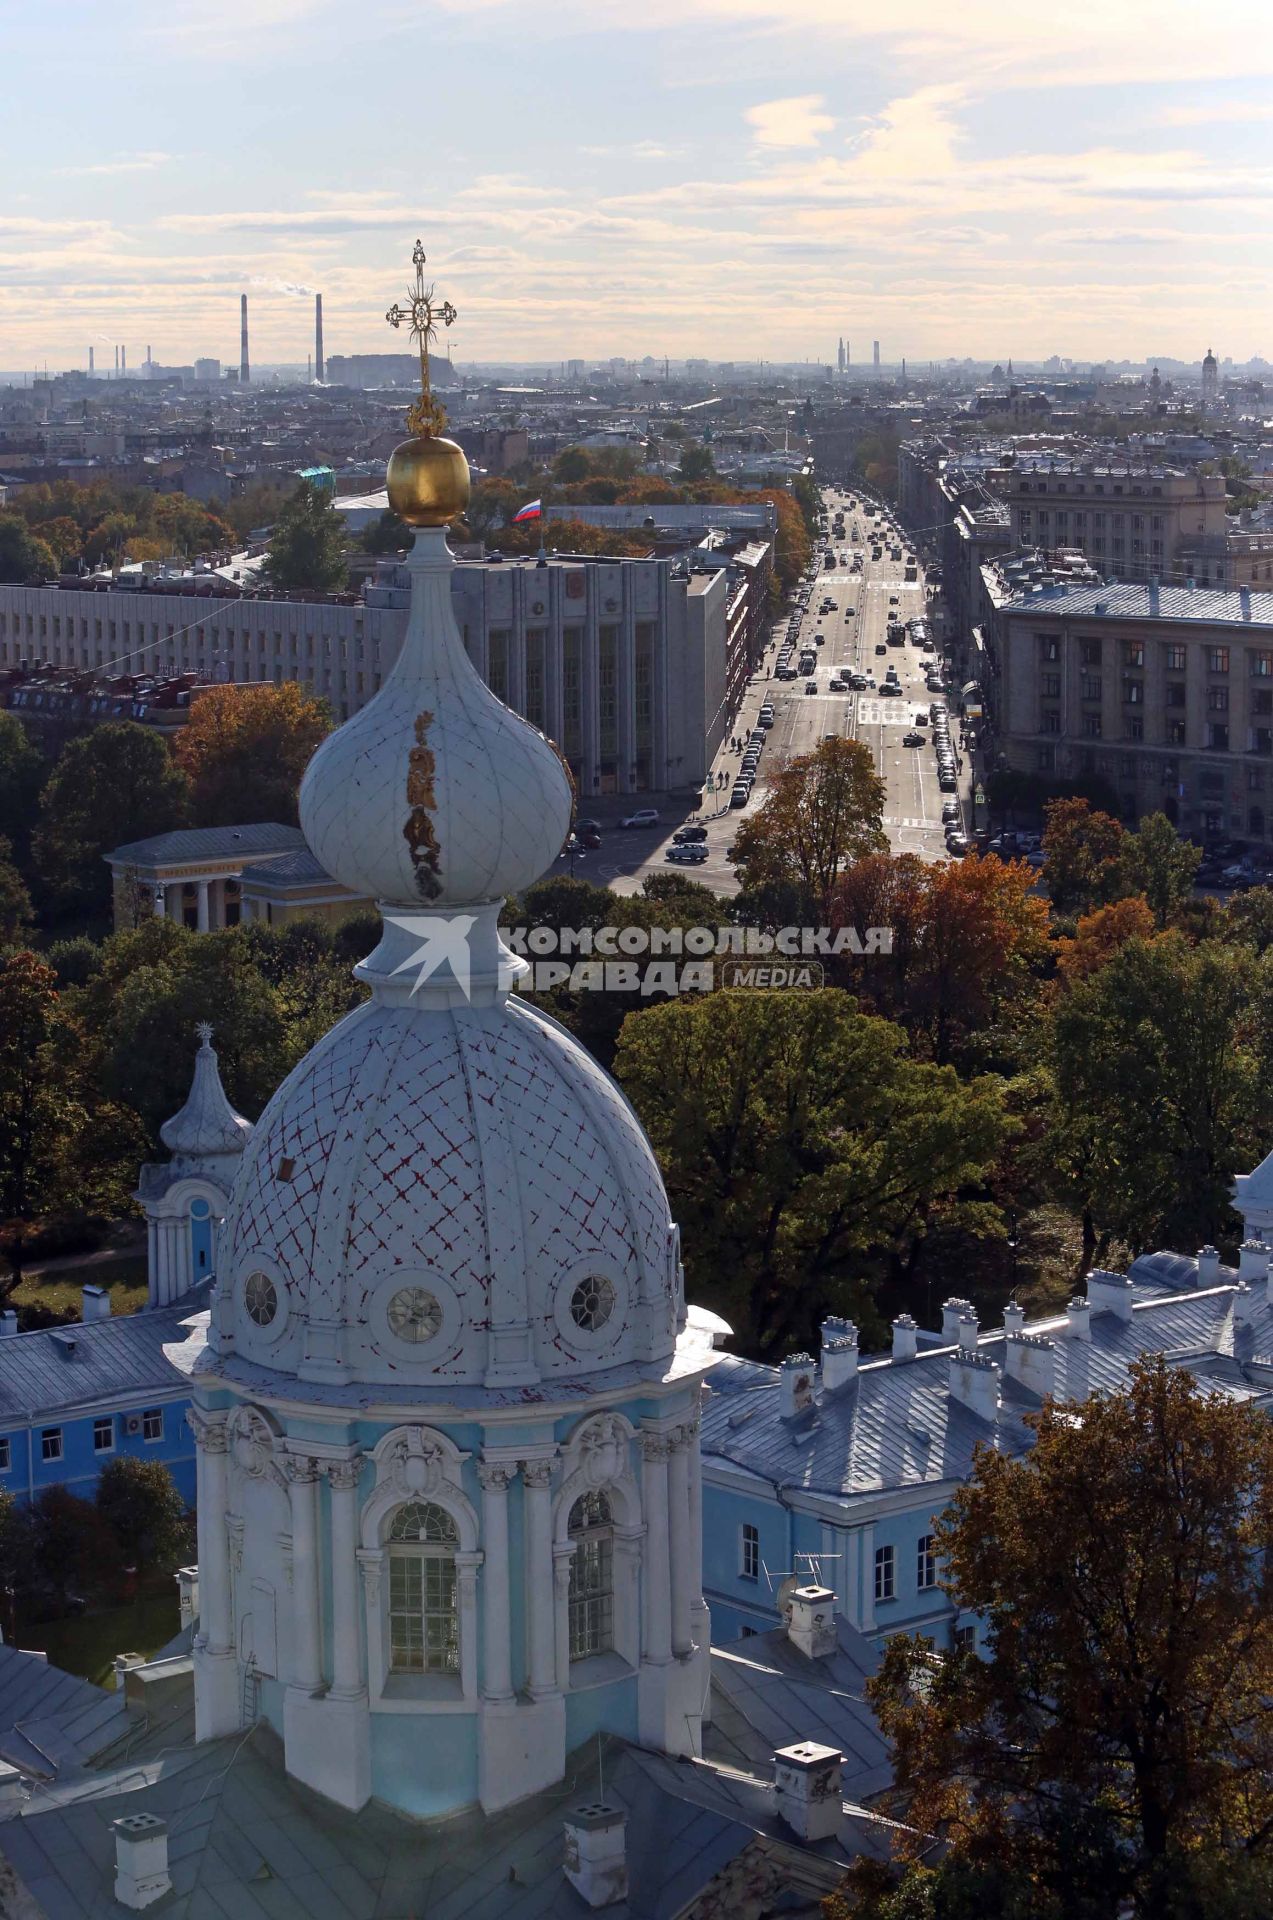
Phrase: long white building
x=622 y=662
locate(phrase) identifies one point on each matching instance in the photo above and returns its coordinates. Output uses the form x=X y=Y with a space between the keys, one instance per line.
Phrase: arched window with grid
x=591 y=1528
x=424 y=1626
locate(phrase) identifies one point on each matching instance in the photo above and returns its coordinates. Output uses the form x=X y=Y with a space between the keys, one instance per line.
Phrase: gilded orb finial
x=427 y=415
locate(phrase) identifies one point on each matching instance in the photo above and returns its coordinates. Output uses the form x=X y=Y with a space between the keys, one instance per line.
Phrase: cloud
x=636 y=150
x=794 y=122
x=122 y=163
x=1216 y=112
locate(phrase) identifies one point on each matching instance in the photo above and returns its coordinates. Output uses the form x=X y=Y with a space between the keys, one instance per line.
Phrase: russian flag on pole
x=531 y=511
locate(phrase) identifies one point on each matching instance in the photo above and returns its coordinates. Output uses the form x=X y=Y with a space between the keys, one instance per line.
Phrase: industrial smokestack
x=245 y=370
x=117 y=363
x=123 y=363
x=876 y=345
x=90 y=363
x=320 y=373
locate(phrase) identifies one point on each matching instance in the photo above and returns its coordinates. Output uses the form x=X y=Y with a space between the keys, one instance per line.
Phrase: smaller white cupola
x=185 y=1198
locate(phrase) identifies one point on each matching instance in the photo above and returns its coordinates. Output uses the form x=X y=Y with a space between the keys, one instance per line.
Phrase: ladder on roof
x=249 y=1697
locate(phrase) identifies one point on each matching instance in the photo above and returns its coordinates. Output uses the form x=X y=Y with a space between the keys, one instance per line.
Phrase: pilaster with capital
x=563 y=1560
x=657 y=1633
x=540 y=1587
x=216 y=1625
x=466 y=1566
x=307 y=1645
x=347 y=1668
x=494 y=1478
x=681 y=1580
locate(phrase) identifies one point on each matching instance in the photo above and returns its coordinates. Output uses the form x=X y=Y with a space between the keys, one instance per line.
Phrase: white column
x=307 y=1650
x=494 y=1477
x=347 y=1676
x=868 y=1577
x=563 y=1559
x=540 y=1589
x=216 y=1627
x=657 y=1647
x=203 y=905
x=466 y=1566
x=696 y=1512
x=679 y=1536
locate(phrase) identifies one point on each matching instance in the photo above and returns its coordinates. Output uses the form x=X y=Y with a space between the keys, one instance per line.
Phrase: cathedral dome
x=450 y=1196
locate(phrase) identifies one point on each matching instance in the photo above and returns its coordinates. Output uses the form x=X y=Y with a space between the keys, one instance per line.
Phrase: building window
x=424 y=1621
x=1135 y=729
x=152 y=1424
x=1217 y=660
x=965 y=1639
x=6 y=1453
x=104 y=1435
x=1050 y=686
x=1090 y=686
x=926 y=1563
x=51 y=1443
x=1050 y=720
x=1134 y=653
x=1217 y=699
x=1049 y=647
x=1217 y=738
x=1174 y=693
x=591 y=1527
x=1092 y=726
x=1134 y=693
x=749 y=1552
x=1174 y=659
x=885 y=1573
x=1045 y=759
x=1176 y=735
x=1090 y=652
x=1261 y=665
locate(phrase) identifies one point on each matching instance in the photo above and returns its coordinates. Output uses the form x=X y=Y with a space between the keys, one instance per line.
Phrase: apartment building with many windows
x=1166 y=692
x=1131 y=523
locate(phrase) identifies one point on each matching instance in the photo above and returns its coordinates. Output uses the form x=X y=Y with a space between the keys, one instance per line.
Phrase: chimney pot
x=1013 y=1317
x=596 y=1860
x=974 y=1382
x=1245 y=1301
x=1208 y=1266
x=905 y=1337
x=1110 y=1293
x=952 y=1313
x=141 y=1860
x=968 y=1332
x=807 y=1789
x=1253 y=1260
x=1079 y=1316
x=1030 y=1359
x=811 y=1627
x=839 y=1353
x=795 y=1383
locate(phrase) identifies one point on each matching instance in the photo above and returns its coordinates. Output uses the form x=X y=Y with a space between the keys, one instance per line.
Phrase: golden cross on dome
x=427 y=415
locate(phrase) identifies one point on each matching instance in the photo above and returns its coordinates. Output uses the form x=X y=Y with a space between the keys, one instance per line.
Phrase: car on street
x=686 y=856
x=587 y=826
x=811 y=686
x=740 y=795
x=643 y=817
x=957 y=844
x=912 y=739
x=857 y=681
x=880 y=647
x=946 y=780
x=686 y=836
x=590 y=840
x=890 y=692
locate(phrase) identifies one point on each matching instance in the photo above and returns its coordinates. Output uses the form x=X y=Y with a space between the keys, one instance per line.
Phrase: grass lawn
x=125 y=1277
x=87 y=1644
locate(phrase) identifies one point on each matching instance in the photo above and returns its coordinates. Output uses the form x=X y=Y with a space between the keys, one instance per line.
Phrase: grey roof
x=60 y=1368
x=52 y=1723
x=209 y=843
x=766 y=1695
x=289 y=870
x=1130 y=602
x=898 y=1425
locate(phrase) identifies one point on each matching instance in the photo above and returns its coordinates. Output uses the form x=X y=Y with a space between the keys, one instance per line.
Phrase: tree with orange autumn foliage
x=1100 y=934
x=244 y=750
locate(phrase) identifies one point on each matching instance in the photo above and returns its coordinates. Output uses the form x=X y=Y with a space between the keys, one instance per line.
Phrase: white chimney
x=1154 y=606
x=596 y=1858
x=811 y=1627
x=807 y=1789
x=141 y=1860
x=8 y=1321
x=795 y=1384
x=1244 y=601
x=974 y=1382
x=1253 y=1260
x=1246 y=1300
x=905 y=1337
x=968 y=1332
x=952 y=1313
x=188 y=1594
x=1079 y=1315
x=1030 y=1359
x=96 y=1304
x=1013 y=1317
x=839 y=1353
x=1208 y=1266
x=1110 y=1293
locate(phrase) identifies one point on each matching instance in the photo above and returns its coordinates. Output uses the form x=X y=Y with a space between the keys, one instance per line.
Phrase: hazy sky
x=730 y=177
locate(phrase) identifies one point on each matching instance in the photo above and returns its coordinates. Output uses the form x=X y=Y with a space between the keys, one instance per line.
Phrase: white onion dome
x=207 y=1127
x=435 y=794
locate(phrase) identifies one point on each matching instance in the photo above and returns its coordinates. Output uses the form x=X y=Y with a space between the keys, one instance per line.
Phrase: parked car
x=957 y=844
x=686 y=836
x=589 y=840
x=686 y=856
x=643 y=817
x=587 y=826
x=740 y=795
x=946 y=780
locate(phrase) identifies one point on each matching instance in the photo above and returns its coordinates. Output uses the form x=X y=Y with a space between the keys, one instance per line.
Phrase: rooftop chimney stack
x=952 y=1313
x=974 y=1382
x=1253 y=1261
x=1030 y=1360
x=905 y=1337
x=245 y=367
x=968 y=1332
x=1244 y=601
x=795 y=1384
x=1246 y=1300
x=96 y=1304
x=1014 y=1317
x=596 y=1860
x=1110 y=1293
x=141 y=1860
x=839 y=1353
x=1079 y=1316
x=1208 y=1266
x=807 y=1789
x=811 y=1628
x=319 y=363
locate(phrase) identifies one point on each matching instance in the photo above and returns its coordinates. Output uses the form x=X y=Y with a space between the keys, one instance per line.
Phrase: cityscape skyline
x=695 y=182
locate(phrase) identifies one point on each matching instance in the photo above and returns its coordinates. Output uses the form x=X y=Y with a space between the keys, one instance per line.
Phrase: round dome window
x=260 y=1299
x=592 y=1303
x=414 y=1314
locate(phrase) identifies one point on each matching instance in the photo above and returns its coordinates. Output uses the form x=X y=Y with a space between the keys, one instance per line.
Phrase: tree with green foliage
x=1156 y=863
x=307 y=547
x=16 y=913
x=109 y=787
x=796 y=1135
x=696 y=463
x=1162 y=1061
x=23 y=556
x=823 y=811
x=22 y=772
x=1113 y=1751
x=138 y=1500
x=1084 y=851
x=386 y=535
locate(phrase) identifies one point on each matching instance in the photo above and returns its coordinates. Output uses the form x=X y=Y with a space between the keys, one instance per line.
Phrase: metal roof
x=52 y=1723
x=289 y=870
x=1131 y=602
x=209 y=843
x=54 y=1371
